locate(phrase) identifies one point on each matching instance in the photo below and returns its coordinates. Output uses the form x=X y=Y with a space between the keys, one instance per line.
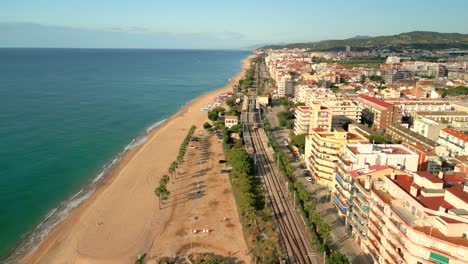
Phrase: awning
x=438 y=258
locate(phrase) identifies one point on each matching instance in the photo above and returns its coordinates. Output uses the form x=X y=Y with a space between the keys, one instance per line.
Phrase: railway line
x=293 y=237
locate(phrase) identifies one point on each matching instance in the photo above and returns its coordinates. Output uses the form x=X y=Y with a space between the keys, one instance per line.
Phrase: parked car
x=309 y=179
x=192 y=147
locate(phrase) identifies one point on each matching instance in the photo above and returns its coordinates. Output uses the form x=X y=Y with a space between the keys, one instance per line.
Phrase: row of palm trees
x=162 y=191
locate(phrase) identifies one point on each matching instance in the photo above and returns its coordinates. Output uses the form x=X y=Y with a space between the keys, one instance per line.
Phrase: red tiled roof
x=429 y=176
x=431 y=202
x=457 y=190
x=456 y=134
x=375 y=101
x=455 y=177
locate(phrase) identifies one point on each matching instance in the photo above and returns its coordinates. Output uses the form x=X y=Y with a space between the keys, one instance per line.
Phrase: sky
x=216 y=24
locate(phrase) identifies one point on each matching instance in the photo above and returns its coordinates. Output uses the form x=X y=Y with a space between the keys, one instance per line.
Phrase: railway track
x=293 y=236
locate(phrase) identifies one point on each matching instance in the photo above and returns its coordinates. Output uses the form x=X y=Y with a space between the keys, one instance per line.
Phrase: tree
x=164 y=180
x=299 y=141
x=163 y=193
x=214 y=260
x=231 y=101
x=299 y=104
x=324 y=231
x=172 y=169
x=206 y=125
x=337 y=258
x=213 y=115
x=236 y=128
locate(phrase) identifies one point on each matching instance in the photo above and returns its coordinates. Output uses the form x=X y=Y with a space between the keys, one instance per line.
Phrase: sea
x=68 y=115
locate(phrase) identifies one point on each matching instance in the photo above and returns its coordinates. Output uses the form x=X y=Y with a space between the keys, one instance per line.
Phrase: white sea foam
x=58 y=214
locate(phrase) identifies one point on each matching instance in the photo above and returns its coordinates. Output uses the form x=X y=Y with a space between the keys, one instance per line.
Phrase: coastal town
x=374 y=144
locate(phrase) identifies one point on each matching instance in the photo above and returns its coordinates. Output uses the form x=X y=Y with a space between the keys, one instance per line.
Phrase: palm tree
x=171 y=171
x=163 y=193
x=164 y=180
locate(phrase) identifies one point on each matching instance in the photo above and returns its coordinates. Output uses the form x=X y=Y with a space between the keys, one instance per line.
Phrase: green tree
x=236 y=128
x=213 y=115
x=231 y=101
x=337 y=258
x=163 y=194
x=206 y=125
x=299 y=141
x=214 y=260
x=299 y=104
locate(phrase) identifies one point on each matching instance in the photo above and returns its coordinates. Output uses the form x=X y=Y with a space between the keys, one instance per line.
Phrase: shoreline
x=102 y=183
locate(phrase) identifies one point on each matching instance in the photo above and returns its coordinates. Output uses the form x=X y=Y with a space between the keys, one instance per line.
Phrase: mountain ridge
x=415 y=39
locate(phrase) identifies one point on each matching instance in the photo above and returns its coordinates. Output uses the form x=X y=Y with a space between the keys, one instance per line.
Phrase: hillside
x=416 y=40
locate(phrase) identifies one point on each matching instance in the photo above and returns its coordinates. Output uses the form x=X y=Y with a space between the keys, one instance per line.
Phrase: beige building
x=403 y=217
x=427 y=127
x=446 y=117
x=285 y=86
x=322 y=151
x=344 y=111
x=230 y=121
x=320 y=117
x=263 y=100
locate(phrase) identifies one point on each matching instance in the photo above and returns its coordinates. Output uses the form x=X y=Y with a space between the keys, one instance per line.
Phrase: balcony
x=341 y=182
x=361 y=188
x=338 y=203
x=341 y=192
x=384 y=196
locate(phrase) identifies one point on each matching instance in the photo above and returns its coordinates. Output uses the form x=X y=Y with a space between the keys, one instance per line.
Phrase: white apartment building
x=343 y=111
x=403 y=217
x=285 y=86
x=359 y=155
x=302 y=121
x=456 y=142
x=428 y=127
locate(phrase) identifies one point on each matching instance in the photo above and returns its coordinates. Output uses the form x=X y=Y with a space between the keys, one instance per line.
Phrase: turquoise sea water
x=66 y=113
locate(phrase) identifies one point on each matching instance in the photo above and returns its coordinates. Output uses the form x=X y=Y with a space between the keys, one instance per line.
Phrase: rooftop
x=375 y=101
x=456 y=134
x=434 y=232
x=442 y=113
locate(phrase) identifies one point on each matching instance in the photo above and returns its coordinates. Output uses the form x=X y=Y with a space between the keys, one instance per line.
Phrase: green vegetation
x=380 y=139
x=454 y=91
x=337 y=258
x=299 y=104
x=410 y=40
x=141 y=259
x=214 y=260
x=206 y=125
x=286 y=119
x=161 y=191
x=214 y=113
x=375 y=78
x=257 y=222
x=231 y=101
x=319 y=229
x=236 y=128
x=299 y=142
x=285 y=101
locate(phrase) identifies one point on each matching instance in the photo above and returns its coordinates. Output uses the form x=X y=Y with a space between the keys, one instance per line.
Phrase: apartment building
x=427 y=127
x=322 y=151
x=285 y=86
x=456 y=142
x=344 y=111
x=404 y=217
x=320 y=117
x=361 y=154
x=406 y=135
x=418 y=218
x=443 y=116
x=379 y=113
x=302 y=121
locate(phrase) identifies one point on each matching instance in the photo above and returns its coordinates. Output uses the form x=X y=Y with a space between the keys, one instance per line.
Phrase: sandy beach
x=122 y=219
